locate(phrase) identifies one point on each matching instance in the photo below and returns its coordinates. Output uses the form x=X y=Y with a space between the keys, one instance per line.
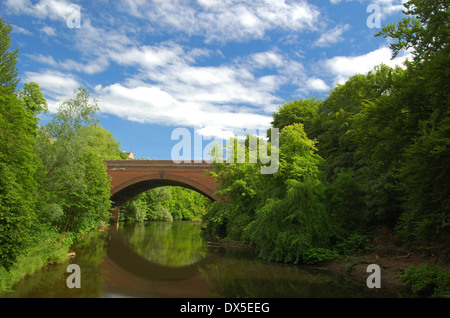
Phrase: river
x=173 y=260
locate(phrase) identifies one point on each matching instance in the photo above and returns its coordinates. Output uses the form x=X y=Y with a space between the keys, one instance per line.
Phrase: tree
x=18 y=130
x=17 y=185
x=425 y=222
x=302 y=111
x=292 y=219
x=73 y=173
x=425 y=29
x=103 y=141
x=8 y=70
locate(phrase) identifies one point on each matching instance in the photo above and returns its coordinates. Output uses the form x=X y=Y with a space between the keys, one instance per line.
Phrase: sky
x=215 y=67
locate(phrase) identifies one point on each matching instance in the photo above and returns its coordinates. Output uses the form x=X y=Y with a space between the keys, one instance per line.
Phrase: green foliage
x=72 y=174
x=427 y=280
x=316 y=256
x=425 y=29
x=8 y=70
x=353 y=244
x=49 y=248
x=384 y=139
x=424 y=99
x=285 y=229
x=165 y=204
x=18 y=128
x=103 y=142
x=425 y=222
x=302 y=111
x=284 y=214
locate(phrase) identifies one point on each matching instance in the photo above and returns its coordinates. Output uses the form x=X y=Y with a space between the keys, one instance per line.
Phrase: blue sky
x=216 y=67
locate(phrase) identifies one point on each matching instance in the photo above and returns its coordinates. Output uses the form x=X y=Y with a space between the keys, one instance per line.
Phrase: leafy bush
x=427 y=280
x=354 y=244
x=315 y=256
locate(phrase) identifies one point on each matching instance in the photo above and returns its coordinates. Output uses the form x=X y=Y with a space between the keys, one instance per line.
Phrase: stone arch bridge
x=130 y=178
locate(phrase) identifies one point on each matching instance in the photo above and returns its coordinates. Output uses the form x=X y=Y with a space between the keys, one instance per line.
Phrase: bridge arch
x=135 y=186
x=130 y=178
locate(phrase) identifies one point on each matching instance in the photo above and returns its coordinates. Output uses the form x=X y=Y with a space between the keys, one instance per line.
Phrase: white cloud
x=387 y=7
x=150 y=104
x=91 y=67
x=48 y=30
x=168 y=86
x=317 y=84
x=174 y=70
x=221 y=21
x=169 y=82
x=332 y=37
x=52 y=9
x=343 y=67
x=268 y=59
x=18 y=29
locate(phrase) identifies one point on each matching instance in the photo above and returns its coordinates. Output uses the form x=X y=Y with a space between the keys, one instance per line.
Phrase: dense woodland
x=367 y=166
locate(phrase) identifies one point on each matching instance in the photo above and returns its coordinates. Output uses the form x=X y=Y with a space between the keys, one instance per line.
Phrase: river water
x=173 y=260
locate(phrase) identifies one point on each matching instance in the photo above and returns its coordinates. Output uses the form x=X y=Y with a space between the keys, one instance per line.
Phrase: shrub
x=316 y=256
x=427 y=280
x=354 y=244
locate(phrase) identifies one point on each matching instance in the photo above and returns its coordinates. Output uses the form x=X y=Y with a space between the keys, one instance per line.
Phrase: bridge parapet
x=156 y=163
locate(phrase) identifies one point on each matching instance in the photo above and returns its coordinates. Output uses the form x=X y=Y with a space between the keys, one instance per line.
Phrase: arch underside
x=122 y=196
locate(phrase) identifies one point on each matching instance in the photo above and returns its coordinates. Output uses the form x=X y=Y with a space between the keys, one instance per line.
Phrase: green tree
x=425 y=29
x=8 y=70
x=283 y=215
x=302 y=111
x=424 y=167
x=18 y=130
x=73 y=173
x=293 y=220
x=17 y=186
x=240 y=187
x=103 y=141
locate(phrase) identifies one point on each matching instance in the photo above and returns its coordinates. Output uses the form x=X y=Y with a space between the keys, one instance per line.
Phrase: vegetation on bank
x=53 y=181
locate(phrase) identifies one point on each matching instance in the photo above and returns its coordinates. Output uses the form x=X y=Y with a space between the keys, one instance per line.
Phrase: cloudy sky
x=216 y=66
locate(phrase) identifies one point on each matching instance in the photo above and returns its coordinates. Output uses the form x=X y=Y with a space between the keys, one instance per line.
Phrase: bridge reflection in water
x=134 y=275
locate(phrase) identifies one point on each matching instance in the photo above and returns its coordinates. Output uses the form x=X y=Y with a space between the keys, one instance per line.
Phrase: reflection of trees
x=235 y=278
x=166 y=243
x=50 y=282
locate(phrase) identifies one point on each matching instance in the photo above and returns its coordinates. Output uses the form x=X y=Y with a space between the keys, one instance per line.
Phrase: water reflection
x=172 y=260
x=172 y=244
x=158 y=251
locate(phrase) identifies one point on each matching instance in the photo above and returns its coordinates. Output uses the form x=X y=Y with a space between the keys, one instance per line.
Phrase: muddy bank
x=391 y=267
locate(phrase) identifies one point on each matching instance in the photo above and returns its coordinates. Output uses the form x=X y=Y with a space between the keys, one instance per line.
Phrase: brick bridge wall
x=130 y=178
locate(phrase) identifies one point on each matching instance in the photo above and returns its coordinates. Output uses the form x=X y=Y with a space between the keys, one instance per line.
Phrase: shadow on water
x=173 y=260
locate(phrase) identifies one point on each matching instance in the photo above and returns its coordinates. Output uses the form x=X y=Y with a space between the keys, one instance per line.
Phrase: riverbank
x=392 y=267
x=54 y=249
x=425 y=282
